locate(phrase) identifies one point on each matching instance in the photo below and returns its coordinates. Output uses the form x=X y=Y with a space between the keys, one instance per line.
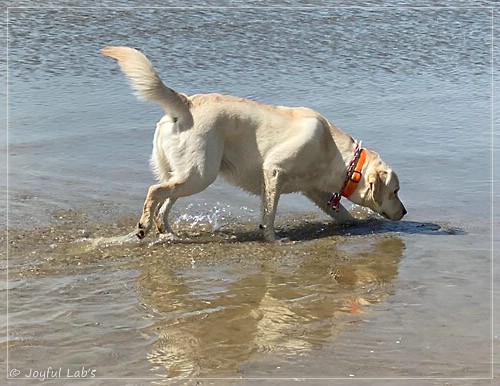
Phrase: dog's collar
x=353 y=176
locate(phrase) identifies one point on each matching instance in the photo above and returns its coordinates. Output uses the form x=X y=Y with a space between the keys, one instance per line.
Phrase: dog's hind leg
x=190 y=176
x=158 y=193
x=161 y=216
x=342 y=216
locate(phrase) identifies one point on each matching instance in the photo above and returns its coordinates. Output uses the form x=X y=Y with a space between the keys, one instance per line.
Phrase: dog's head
x=378 y=189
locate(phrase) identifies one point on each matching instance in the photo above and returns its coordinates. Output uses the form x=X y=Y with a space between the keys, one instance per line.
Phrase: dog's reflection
x=212 y=319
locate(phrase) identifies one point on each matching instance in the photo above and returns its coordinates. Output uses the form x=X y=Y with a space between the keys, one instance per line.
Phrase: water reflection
x=213 y=318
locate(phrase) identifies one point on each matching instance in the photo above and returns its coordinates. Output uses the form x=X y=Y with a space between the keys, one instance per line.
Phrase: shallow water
x=377 y=300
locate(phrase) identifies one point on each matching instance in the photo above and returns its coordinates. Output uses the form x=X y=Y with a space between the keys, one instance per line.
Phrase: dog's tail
x=148 y=85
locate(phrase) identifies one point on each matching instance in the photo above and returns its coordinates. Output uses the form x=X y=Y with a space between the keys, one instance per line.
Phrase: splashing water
x=216 y=217
x=100 y=242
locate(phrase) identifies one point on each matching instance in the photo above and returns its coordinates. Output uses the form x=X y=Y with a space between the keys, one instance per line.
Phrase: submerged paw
x=140 y=233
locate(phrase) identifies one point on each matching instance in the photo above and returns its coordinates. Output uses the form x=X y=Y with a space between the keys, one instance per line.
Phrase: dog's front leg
x=270 y=197
x=341 y=216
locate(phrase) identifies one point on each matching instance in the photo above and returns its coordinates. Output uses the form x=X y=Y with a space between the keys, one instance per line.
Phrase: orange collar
x=355 y=176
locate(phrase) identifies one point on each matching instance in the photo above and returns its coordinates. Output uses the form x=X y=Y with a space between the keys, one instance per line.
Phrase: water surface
x=378 y=300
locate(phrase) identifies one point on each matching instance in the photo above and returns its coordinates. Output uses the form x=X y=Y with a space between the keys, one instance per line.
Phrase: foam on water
x=127 y=239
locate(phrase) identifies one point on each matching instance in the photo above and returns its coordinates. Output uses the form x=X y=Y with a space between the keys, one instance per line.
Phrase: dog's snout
x=404 y=211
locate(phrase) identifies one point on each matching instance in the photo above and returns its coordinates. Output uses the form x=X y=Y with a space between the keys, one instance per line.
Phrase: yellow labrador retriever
x=266 y=150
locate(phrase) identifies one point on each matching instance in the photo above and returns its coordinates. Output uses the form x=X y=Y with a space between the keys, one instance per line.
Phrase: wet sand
x=220 y=304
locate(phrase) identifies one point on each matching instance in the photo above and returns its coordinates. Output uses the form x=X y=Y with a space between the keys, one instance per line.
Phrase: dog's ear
x=377 y=185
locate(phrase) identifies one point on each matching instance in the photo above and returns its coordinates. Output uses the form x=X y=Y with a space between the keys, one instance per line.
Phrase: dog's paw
x=268 y=233
x=347 y=223
x=141 y=231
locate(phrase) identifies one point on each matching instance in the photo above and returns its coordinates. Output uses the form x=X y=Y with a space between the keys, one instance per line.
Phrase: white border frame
x=308 y=8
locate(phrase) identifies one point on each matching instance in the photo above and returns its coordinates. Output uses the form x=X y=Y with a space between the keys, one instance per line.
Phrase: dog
x=264 y=149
